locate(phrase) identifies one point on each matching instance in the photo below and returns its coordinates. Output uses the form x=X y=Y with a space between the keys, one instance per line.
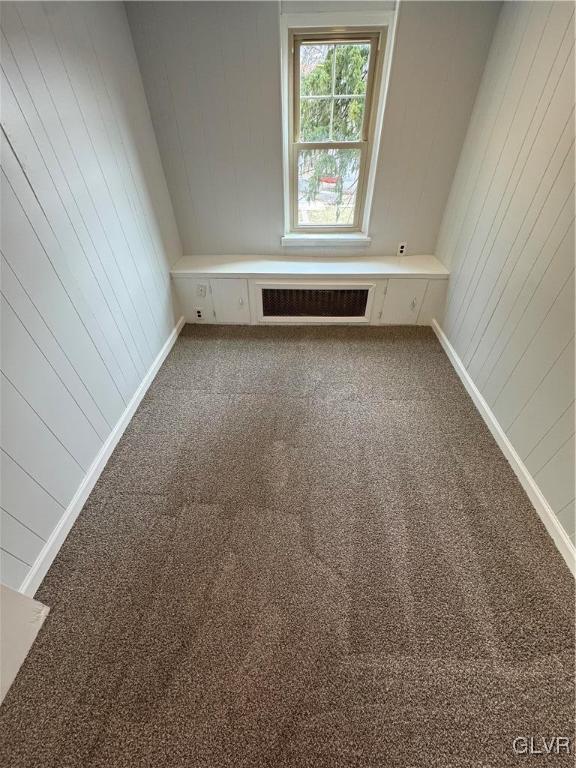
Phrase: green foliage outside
x=332 y=118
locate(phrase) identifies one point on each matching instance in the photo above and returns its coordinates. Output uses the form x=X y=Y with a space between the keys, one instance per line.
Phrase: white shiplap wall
x=212 y=78
x=88 y=236
x=508 y=236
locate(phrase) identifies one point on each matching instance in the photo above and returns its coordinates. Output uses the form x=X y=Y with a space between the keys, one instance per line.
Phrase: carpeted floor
x=306 y=550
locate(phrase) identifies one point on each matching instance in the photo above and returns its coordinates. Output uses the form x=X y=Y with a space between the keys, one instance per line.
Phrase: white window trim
x=323 y=239
x=345 y=19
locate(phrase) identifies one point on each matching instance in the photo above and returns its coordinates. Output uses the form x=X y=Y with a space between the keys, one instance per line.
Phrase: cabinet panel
x=195 y=299
x=402 y=301
x=432 y=307
x=230 y=298
x=223 y=300
x=378 y=305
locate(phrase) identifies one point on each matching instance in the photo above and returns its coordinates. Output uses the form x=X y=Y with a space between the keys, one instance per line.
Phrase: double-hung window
x=334 y=78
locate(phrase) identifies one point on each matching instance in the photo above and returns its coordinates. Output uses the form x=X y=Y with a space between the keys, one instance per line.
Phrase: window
x=334 y=78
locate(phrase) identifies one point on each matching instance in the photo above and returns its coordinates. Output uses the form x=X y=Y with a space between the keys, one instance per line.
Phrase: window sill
x=306 y=240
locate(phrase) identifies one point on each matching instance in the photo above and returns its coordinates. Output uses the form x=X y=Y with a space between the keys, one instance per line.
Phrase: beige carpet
x=306 y=550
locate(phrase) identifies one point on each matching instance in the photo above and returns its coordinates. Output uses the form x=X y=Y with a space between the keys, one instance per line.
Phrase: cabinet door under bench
x=227 y=300
x=409 y=301
x=230 y=299
x=401 y=301
x=214 y=300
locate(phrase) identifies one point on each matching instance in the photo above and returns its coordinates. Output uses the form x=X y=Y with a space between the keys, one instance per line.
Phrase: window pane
x=327 y=186
x=316 y=69
x=347 y=121
x=352 y=61
x=315 y=115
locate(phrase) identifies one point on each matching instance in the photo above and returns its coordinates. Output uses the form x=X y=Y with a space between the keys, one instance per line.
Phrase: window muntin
x=333 y=79
x=332 y=88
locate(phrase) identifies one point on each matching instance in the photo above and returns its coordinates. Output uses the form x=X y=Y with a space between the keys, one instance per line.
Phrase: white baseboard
x=544 y=510
x=56 y=539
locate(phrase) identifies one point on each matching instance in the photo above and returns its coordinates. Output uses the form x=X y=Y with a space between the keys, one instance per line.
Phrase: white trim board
x=544 y=510
x=304 y=240
x=260 y=267
x=52 y=546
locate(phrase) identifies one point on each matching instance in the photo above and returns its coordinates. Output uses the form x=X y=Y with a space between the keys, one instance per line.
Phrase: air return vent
x=314 y=302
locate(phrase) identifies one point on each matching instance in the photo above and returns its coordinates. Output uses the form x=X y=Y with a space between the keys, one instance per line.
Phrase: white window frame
x=332 y=23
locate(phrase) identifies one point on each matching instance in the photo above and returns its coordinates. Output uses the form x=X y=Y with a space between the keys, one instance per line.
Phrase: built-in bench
x=250 y=289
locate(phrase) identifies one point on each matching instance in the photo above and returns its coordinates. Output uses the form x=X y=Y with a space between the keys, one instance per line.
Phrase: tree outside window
x=332 y=104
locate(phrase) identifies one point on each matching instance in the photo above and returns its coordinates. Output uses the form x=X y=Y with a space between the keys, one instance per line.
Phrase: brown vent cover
x=314 y=302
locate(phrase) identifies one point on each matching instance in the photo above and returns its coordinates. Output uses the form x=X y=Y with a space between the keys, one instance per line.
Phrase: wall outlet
x=402 y=247
x=198 y=314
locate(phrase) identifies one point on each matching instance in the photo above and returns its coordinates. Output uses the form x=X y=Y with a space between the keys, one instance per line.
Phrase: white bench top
x=259 y=267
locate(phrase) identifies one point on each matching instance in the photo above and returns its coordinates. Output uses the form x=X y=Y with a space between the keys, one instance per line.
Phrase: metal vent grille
x=314 y=302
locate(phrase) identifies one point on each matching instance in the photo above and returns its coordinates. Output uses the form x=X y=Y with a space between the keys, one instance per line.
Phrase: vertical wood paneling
x=19 y=540
x=488 y=101
x=52 y=401
x=31 y=444
x=88 y=236
x=508 y=236
x=54 y=292
x=12 y=571
x=125 y=91
x=556 y=478
x=212 y=77
x=44 y=45
x=61 y=184
x=545 y=259
x=57 y=203
x=516 y=66
x=26 y=500
x=567 y=517
x=40 y=332
x=552 y=440
x=61 y=131
x=534 y=175
x=74 y=51
x=554 y=335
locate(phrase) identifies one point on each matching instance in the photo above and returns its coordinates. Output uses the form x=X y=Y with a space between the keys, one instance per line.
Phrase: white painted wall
x=508 y=235
x=88 y=237
x=212 y=78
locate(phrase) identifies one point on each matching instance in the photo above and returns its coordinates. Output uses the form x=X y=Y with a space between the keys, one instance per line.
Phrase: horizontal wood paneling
x=212 y=78
x=508 y=237
x=88 y=237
